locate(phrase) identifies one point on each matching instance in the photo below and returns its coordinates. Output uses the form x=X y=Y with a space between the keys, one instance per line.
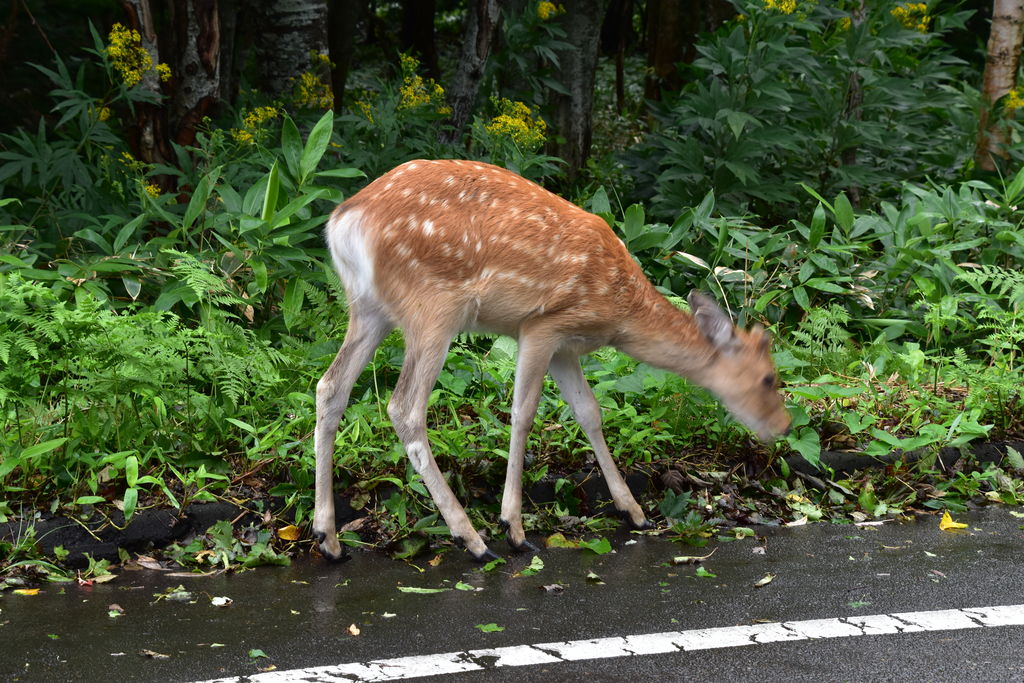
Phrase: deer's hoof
x=523 y=547
x=644 y=524
x=329 y=546
x=486 y=556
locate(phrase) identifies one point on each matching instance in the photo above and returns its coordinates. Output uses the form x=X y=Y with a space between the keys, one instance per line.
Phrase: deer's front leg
x=568 y=374
x=531 y=364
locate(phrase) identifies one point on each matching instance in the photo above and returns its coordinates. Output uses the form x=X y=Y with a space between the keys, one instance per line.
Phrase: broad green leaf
x=341 y=173
x=197 y=205
x=270 y=196
x=292 y=303
x=131 y=470
x=131 y=501
x=291 y=146
x=316 y=145
x=633 y=222
x=844 y=213
x=127 y=231
x=41 y=448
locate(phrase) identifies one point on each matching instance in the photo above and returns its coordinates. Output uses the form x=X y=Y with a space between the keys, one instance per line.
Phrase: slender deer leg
x=565 y=368
x=424 y=358
x=367 y=328
x=531 y=363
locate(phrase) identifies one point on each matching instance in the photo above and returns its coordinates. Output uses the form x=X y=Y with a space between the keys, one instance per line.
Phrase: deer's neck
x=659 y=334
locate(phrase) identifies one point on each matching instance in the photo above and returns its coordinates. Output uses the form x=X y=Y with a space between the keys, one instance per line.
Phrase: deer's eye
x=769 y=381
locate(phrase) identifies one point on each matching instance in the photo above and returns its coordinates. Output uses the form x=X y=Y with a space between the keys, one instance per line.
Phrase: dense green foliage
x=162 y=328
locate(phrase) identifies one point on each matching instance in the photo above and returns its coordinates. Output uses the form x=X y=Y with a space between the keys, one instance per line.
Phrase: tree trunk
x=342 y=17
x=146 y=136
x=197 y=66
x=287 y=32
x=481 y=24
x=1004 y=44
x=672 y=28
x=616 y=34
x=854 y=109
x=417 y=34
x=577 y=66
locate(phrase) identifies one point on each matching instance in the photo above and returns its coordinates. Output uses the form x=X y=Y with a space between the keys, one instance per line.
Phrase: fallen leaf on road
x=558 y=540
x=765 y=581
x=221 y=601
x=704 y=573
x=152 y=654
x=691 y=559
x=115 y=610
x=600 y=546
x=536 y=564
x=554 y=588
x=594 y=579
x=489 y=567
x=417 y=589
x=947 y=523
x=150 y=563
x=463 y=586
x=289 y=533
x=354 y=630
x=797 y=522
x=436 y=560
x=256 y=652
x=26 y=591
x=490 y=628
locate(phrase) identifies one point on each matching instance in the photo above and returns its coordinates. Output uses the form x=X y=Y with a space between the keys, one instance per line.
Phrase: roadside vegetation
x=163 y=326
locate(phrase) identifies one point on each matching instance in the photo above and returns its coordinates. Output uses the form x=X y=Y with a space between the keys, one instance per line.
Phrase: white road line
x=646 y=644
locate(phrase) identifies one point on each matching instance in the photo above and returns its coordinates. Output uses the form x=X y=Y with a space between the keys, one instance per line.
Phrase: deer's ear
x=712 y=321
x=764 y=338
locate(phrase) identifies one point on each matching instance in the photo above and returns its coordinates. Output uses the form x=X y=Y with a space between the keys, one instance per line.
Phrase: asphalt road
x=850 y=578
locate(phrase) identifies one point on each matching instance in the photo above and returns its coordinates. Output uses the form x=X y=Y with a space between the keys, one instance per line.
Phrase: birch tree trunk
x=577 y=66
x=287 y=32
x=146 y=135
x=478 y=40
x=1004 y=45
x=197 y=72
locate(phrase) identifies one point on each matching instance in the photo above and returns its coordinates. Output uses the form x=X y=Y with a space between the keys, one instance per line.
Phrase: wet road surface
x=301 y=616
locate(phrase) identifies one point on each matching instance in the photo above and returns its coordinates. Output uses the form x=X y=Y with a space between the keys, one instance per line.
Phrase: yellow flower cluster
x=366 y=108
x=517 y=122
x=312 y=88
x=152 y=189
x=1013 y=100
x=313 y=93
x=784 y=6
x=103 y=113
x=913 y=15
x=131 y=60
x=252 y=123
x=546 y=10
x=845 y=23
x=417 y=91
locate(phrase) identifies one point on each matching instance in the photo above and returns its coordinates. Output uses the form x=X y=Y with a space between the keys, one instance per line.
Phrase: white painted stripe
x=647 y=644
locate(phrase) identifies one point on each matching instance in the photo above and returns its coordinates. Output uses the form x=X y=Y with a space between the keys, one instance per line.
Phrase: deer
x=436 y=248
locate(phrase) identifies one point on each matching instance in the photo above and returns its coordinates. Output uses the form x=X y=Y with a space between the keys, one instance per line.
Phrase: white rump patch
x=351 y=253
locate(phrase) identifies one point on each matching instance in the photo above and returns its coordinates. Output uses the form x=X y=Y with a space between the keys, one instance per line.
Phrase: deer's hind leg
x=425 y=353
x=368 y=325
